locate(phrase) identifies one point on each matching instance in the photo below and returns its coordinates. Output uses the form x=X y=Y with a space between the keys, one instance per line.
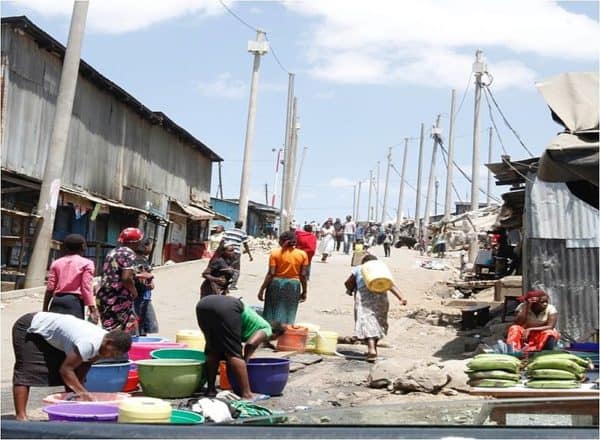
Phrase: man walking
x=349 y=234
x=237 y=238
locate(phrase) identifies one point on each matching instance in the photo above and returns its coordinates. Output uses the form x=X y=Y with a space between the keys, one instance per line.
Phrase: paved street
x=328 y=306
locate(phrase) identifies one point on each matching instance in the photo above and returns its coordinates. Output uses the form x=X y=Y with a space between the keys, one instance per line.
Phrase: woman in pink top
x=69 y=287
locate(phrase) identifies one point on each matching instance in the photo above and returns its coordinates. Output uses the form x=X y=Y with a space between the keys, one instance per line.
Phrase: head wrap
x=531 y=294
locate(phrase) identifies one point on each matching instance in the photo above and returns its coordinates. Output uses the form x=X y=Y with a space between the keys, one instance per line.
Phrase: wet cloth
x=370 y=310
x=114 y=300
x=535 y=342
x=288 y=262
x=72 y=274
x=67 y=304
x=281 y=300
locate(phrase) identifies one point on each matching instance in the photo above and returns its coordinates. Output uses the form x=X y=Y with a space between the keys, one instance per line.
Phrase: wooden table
x=580 y=401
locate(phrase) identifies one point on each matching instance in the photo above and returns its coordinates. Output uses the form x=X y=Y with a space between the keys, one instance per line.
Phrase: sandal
x=371 y=357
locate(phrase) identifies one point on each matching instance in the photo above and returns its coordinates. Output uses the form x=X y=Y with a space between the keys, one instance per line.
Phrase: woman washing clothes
x=284 y=286
x=69 y=289
x=534 y=327
x=370 y=309
x=219 y=272
x=226 y=323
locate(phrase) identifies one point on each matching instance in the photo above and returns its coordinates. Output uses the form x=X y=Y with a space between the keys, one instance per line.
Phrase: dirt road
x=334 y=381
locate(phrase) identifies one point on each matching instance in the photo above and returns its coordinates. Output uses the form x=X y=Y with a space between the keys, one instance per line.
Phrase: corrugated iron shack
x=126 y=165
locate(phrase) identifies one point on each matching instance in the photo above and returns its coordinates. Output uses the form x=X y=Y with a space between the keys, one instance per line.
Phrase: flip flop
x=372 y=357
x=258 y=398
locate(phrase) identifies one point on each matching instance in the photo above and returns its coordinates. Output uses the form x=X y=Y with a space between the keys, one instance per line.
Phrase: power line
x=277 y=58
x=487 y=89
x=464 y=96
x=237 y=17
x=494 y=123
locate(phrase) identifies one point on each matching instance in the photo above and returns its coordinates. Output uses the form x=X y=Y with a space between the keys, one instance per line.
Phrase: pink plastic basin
x=142 y=350
x=103 y=398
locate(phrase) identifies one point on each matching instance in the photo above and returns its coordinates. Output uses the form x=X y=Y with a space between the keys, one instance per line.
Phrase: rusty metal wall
x=110 y=148
x=568 y=274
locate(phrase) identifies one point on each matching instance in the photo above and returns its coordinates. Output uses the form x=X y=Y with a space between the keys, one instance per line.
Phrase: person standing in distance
x=236 y=237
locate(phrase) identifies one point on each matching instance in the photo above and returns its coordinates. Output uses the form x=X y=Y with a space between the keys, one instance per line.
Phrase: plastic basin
x=585 y=346
x=182 y=353
x=142 y=350
x=169 y=378
x=266 y=376
x=148 y=339
x=181 y=417
x=293 y=339
x=133 y=380
x=78 y=412
x=107 y=378
x=100 y=398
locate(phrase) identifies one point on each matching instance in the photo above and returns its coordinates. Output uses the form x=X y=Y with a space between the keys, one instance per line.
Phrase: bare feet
x=21 y=418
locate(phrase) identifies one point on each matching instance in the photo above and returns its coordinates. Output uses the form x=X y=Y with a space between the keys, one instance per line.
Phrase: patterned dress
x=370 y=310
x=115 y=302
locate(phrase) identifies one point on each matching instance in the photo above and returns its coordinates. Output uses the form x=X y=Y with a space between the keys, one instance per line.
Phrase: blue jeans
x=348 y=241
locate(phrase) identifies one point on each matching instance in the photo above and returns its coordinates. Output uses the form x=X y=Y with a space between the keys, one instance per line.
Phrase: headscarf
x=531 y=294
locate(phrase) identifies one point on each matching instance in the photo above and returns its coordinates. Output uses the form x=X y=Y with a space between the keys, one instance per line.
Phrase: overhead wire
x=255 y=29
x=487 y=90
x=464 y=96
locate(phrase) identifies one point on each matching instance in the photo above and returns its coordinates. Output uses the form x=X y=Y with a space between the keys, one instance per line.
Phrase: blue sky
x=367 y=75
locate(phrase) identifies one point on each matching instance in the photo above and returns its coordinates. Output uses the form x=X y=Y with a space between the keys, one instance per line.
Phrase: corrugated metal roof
x=45 y=41
x=555 y=213
x=101 y=200
x=196 y=213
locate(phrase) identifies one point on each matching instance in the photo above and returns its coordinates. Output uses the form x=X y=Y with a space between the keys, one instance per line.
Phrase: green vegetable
x=554 y=363
x=557 y=384
x=561 y=355
x=485 y=364
x=493 y=374
x=492 y=383
x=554 y=374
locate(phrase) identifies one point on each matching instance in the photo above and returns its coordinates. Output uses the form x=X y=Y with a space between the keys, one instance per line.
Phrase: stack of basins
x=556 y=370
x=494 y=371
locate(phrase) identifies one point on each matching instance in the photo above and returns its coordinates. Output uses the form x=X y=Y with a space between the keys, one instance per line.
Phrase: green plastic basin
x=169 y=378
x=182 y=353
x=181 y=417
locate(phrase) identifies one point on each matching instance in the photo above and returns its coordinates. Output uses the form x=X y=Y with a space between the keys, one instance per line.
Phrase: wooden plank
x=585 y=390
x=472 y=284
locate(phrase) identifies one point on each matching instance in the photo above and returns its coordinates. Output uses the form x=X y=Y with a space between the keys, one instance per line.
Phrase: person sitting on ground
x=53 y=349
x=534 y=326
x=227 y=322
x=70 y=282
x=219 y=272
x=370 y=309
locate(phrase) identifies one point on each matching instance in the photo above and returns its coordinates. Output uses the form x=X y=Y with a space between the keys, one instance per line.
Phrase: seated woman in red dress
x=534 y=327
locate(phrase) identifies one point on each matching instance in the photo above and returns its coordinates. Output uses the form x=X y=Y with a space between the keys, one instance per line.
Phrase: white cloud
x=432 y=42
x=340 y=182
x=306 y=195
x=223 y=87
x=117 y=16
x=326 y=95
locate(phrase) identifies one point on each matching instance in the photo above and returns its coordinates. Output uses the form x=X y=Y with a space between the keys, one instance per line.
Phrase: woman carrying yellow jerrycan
x=371 y=303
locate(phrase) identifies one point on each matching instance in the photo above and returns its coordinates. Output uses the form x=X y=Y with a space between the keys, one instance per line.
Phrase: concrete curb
x=14 y=294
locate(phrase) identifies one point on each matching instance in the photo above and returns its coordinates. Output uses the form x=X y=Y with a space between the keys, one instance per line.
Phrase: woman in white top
x=327 y=240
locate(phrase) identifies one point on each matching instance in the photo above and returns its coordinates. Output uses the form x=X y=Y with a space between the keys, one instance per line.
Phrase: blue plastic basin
x=266 y=376
x=146 y=339
x=107 y=378
x=585 y=346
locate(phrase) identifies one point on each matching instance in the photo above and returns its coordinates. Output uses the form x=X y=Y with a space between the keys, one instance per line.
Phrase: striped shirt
x=235 y=237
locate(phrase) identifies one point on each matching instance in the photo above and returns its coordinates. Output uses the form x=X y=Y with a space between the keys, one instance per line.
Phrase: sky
x=367 y=75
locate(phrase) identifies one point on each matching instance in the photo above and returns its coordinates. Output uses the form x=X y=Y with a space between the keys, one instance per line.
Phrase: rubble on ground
x=264 y=244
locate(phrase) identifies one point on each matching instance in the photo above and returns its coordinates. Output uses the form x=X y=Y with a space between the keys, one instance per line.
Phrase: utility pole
x=419 y=172
x=369 y=213
x=435 y=134
x=479 y=68
x=354 y=202
x=276 y=181
x=266 y=193
x=435 y=203
x=401 y=195
x=55 y=160
x=293 y=157
x=385 y=189
x=297 y=187
x=489 y=176
x=284 y=218
x=220 y=187
x=358 y=202
x=377 y=194
x=450 y=166
x=258 y=48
